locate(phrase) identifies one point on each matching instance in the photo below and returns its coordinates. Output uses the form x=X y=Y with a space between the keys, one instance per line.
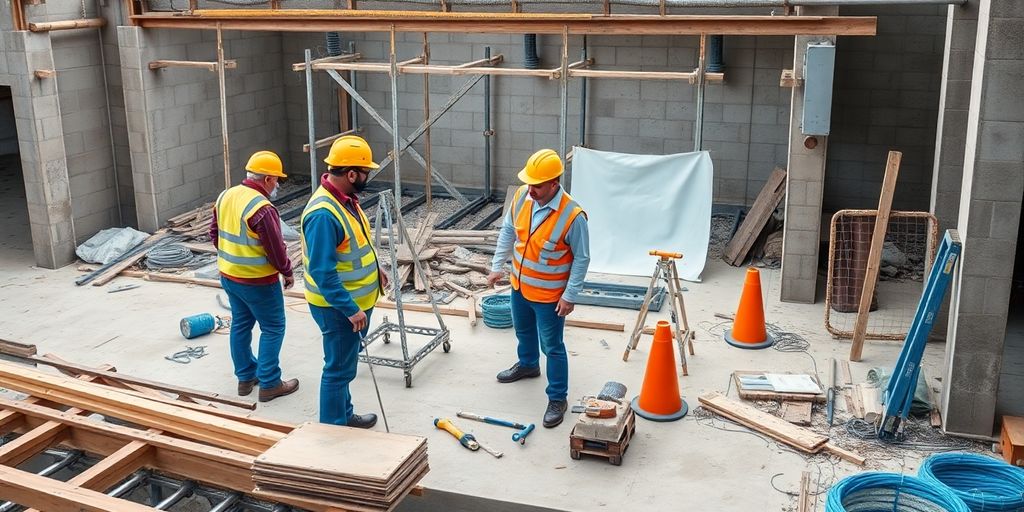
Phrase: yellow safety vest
x=357 y=261
x=239 y=250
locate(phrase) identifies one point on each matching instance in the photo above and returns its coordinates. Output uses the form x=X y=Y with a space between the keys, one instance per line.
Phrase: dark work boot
x=556 y=411
x=517 y=372
x=367 y=420
x=286 y=387
x=245 y=386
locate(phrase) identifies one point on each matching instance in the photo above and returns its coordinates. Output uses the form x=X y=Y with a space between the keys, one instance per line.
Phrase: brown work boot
x=286 y=387
x=245 y=386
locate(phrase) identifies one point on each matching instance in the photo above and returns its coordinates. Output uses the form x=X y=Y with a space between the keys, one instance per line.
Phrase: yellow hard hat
x=266 y=163
x=351 y=151
x=542 y=166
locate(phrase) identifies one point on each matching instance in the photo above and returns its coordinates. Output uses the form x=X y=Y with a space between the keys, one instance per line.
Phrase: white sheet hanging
x=636 y=203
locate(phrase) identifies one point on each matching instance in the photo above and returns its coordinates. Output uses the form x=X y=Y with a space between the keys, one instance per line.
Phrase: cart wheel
x=408 y=381
x=575 y=454
x=447 y=347
x=616 y=460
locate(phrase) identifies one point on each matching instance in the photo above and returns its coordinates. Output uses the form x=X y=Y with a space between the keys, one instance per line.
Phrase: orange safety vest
x=542 y=260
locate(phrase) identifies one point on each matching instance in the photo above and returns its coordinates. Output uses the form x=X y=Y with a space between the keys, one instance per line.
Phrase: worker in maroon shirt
x=246 y=230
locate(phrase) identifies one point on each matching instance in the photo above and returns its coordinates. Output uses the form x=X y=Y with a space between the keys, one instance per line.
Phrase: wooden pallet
x=613 y=451
x=184 y=440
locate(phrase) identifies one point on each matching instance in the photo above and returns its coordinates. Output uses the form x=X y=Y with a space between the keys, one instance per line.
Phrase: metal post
x=181 y=493
x=698 y=124
x=487 y=130
x=564 y=113
x=353 y=107
x=426 y=115
x=223 y=107
x=395 y=137
x=313 y=182
x=583 y=98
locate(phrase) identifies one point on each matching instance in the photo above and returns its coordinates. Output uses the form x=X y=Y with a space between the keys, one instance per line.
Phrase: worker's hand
x=358 y=321
x=289 y=281
x=564 y=307
x=494 y=277
x=384 y=279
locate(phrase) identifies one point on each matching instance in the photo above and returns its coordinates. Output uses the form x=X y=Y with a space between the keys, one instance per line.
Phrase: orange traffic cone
x=748 y=330
x=659 y=398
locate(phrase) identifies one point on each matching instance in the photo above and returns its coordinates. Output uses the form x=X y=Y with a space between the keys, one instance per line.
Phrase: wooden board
x=803 y=502
x=31 y=490
x=749 y=394
x=13 y=348
x=767 y=200
x=772 y=426
x=1012 y=440
x=870 y=400
x=797 y=413
x=860 y=328
x=116 y=268
x=343 y=451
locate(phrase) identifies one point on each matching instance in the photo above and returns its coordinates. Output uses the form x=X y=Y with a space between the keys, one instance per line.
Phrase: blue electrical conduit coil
x=497 y=311
x=984 y=483
x=890 y=492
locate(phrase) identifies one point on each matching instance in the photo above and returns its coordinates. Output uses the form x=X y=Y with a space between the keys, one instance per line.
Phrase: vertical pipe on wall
x=353 y=107
x=699 y=122
x=309 y=117
x=564 y=113
x=395 y=138
x=583 y=98
x=426 y=115
x=223 y=107
x=487 y=129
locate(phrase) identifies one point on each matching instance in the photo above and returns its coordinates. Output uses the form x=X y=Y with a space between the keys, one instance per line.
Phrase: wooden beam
x=77 y=369
x=67 y=25
x=312 y=20
x=496 y=59
x=687 y=76
x=15 y=348
x=44 y=493
x=18 y=15
x=860 y=329
x=114 y=467
x=209 y=66
x=42 y=74
x=327 y=141
x=348 y=57
x=31 y=443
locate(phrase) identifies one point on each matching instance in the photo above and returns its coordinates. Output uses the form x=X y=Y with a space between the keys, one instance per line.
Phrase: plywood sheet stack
x=359 y=469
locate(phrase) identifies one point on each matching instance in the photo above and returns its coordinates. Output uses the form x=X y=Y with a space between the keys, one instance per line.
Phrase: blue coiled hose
x=890 y=492
x=497 y=311
x=984 y=483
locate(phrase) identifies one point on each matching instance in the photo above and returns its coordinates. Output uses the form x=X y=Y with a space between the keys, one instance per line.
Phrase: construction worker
x=342 y=277
x=546 y=233
x=246 y=230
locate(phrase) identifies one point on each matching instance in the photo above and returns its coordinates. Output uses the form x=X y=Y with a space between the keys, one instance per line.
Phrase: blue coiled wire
x=497 y=311
x=984 y=483
x=890 y=492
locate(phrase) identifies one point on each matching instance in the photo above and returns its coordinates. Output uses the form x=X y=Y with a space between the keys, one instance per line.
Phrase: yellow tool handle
x=446 y=424
x=666 y=254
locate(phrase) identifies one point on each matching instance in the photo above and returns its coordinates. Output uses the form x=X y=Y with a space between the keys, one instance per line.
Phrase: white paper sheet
x=636 y=203
x=787 y=383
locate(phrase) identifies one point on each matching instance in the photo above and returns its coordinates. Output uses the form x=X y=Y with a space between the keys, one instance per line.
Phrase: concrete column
x=990 y=205
x=139 y=139
x=804 y=187
x=954 y=99
x=41 y=144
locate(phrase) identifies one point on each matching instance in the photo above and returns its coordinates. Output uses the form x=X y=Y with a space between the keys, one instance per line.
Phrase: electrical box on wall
x=819 y=69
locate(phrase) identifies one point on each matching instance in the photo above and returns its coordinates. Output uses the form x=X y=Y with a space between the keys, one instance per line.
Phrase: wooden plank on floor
x=797 y=413
x=31 y=443
x=40 y=492
x=767 y=201
x=772 y=426
x=114 y=467
x=803 y=503
x=8 y=347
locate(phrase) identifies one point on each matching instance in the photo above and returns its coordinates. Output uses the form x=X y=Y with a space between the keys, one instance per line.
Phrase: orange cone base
x=768 y=341
x=683 y=409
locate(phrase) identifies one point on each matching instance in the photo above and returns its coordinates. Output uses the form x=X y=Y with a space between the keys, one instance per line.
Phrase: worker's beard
x=274 y=192
x=360 y=184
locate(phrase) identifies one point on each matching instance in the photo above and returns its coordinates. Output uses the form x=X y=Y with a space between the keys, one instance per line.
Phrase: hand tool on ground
x=123 y=288
x=665 y=270
x=186 y=356
x=467 y=440
x=383 y=415
x=495 y=453
x=519 y=437
x=830 y=393
x=595 y=408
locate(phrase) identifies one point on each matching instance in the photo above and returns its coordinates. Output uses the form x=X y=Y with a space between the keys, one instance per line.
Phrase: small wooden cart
x=604 y=437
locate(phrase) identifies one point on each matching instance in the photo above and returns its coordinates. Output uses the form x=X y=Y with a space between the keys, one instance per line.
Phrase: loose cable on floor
x=497 y=311
x=874 y=491
x=982 y=482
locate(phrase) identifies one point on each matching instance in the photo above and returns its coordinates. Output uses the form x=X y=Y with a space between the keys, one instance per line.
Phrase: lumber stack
x=361 y=469
x=193 y=223
x=753 y=224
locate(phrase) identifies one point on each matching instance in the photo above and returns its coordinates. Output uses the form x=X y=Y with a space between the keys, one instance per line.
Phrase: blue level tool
x=899 y=394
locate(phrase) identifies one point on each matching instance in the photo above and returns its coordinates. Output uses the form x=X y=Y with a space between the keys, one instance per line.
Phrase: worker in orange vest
x=546 y=234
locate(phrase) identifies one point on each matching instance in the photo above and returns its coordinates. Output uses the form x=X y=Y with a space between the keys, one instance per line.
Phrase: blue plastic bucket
x=197 y=325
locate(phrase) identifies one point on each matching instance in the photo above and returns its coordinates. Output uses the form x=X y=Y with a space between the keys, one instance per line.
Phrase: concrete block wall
x=886 y=97
x=174 y=115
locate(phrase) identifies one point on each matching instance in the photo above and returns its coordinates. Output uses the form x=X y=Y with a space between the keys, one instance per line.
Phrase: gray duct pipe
x=333 y=44
x=530 y=58
x=715 y=61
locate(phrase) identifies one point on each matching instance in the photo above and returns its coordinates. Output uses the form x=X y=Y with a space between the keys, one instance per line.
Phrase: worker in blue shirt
x=545 y=232
x=342 y=278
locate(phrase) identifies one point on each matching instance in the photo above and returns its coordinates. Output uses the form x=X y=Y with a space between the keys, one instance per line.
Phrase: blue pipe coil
x=197 y=325
x=497 y=311
x=890 y=492
x=984 y=483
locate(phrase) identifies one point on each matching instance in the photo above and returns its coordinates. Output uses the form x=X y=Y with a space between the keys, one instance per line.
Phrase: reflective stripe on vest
x=356 y=261
x=542 y=260
x=240 y=252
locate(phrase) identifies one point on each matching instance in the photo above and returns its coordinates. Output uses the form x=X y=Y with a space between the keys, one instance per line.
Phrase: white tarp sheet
x=636 y=203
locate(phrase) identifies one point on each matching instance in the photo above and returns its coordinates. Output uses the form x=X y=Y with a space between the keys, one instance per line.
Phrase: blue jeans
x=341 y=358
x=539 y=329
x=250 y=304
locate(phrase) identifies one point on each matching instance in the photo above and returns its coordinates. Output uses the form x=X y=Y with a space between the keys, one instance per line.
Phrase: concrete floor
x=668 y=464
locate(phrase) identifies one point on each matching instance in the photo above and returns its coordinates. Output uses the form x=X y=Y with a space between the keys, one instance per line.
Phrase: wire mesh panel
x=906 y=258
